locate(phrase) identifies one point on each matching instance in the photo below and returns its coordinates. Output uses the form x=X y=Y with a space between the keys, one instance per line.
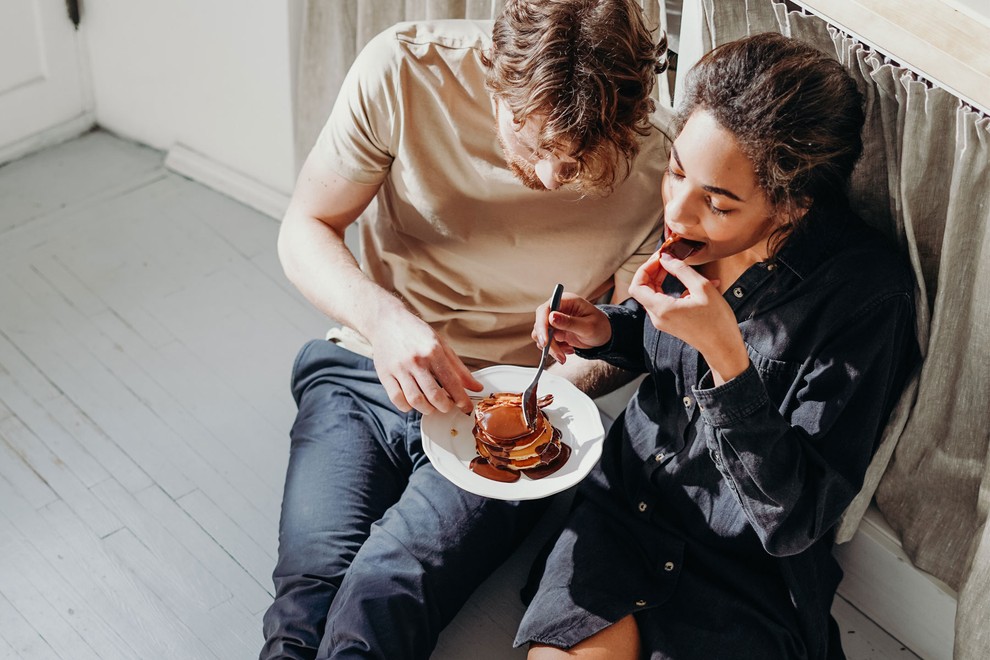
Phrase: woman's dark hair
x=795 y=112
x=587 y=65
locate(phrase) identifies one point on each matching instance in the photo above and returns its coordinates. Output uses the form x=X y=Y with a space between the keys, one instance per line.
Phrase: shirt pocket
x=779 y=377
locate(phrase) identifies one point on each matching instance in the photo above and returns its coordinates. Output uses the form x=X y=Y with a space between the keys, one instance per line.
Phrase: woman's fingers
x=587 y=327
x=561 y=347
x=692 y=280
x=576 y=324
x=651 y=274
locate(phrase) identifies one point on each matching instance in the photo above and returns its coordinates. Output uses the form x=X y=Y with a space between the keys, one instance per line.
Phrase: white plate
x=449 y=442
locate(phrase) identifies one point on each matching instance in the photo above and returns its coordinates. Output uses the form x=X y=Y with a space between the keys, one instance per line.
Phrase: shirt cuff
x=731 y=402
x=625 y=347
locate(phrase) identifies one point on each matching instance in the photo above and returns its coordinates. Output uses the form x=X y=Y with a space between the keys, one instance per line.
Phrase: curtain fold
x=924 y=180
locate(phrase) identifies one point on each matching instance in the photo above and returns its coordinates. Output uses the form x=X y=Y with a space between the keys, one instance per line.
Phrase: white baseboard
x=213 y=174
x=47 y=138
x=881 y=582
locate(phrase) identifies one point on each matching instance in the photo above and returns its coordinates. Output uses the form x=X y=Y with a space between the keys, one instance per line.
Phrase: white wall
x=979 y=9
x=209 y=82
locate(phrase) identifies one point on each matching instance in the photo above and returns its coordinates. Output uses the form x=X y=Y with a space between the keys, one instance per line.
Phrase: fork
x=529 y=406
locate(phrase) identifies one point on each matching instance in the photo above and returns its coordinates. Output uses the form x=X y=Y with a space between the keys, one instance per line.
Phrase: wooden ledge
x=944 y=41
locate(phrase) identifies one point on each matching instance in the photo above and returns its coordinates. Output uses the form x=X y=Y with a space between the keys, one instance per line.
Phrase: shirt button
x=659 y=457
x=738 y=292
x=642 y=507
x=669 y=566
x=771 y=266
x=687 y=401
x=640 y=603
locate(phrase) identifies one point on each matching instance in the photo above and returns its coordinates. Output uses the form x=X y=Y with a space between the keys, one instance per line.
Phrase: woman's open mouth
x=679 y=247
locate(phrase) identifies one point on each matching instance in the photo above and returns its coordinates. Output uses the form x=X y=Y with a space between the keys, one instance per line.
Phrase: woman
x=774 y=354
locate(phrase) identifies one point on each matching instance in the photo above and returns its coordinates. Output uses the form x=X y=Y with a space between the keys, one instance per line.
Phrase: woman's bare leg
x=620 y=641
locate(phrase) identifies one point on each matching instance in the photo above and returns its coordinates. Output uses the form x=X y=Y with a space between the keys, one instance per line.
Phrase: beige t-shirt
x=470 y=249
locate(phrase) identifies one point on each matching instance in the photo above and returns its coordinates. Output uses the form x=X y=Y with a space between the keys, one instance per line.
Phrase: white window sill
x=946 y=41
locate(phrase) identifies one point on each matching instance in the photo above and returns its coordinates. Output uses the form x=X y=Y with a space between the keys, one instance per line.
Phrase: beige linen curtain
x=924 y=179
x=333 y=33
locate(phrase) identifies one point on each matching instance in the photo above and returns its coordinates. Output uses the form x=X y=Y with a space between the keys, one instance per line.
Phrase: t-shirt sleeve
x=662 y=121
x=356 y=141
x=639 y=257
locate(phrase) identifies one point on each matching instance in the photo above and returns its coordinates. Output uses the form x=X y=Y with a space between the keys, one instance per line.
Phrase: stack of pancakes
x=506 y=442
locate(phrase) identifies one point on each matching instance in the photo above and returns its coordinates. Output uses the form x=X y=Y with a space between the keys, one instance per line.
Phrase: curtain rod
x=953 y=54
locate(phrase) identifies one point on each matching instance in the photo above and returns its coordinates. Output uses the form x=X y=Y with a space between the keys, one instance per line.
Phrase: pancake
x=507 y=447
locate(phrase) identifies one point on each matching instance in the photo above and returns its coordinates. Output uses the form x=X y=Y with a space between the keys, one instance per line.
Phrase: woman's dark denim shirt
x=830 y=330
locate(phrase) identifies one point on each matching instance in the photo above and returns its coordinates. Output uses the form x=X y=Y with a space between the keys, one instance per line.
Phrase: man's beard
x=522 y=170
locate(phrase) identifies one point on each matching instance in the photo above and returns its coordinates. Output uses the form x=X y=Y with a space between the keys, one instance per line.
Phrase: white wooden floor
x=146 y=337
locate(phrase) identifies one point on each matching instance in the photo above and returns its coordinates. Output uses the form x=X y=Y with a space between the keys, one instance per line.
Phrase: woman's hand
x=576 y=324
x=417 y=367
x=701 y=317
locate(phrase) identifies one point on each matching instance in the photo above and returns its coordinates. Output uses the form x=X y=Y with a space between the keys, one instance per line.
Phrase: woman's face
x=710 y=194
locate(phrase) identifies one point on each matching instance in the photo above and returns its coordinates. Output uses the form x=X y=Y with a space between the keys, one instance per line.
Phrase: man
x=504 y=159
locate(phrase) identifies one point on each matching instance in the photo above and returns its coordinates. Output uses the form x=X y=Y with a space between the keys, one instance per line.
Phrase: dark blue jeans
x=377 y=551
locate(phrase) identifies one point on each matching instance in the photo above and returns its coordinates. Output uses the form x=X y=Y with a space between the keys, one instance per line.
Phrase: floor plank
x=110 y=588
x=68 y=609
x=862 y=640
x=19 y=635
x=31 y=593
x=146 y=338
x=56 y=178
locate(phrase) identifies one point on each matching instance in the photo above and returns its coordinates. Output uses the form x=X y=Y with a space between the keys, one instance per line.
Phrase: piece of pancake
x=680 y=247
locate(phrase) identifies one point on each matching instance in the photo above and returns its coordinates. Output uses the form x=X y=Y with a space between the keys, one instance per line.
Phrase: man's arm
x=312 y=251
x=416 y=367
x=593 y=377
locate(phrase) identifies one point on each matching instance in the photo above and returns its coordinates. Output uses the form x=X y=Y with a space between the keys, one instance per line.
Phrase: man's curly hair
x=586 y=66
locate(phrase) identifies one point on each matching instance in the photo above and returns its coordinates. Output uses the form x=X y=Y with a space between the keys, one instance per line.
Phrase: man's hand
x=417 y=367
x=701 y=317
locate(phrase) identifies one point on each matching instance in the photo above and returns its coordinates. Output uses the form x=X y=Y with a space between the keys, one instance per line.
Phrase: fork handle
x=558 y=291
x=529 y=415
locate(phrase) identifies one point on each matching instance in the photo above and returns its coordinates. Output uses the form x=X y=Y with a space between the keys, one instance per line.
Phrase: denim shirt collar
x=813 y=241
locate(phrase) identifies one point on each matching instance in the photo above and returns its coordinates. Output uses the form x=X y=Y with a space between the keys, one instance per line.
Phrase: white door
x=44 y=94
